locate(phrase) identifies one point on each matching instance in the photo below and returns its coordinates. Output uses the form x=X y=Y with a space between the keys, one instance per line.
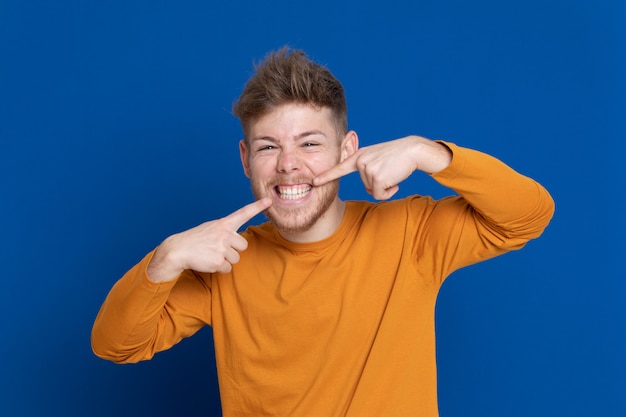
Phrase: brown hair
x=289 y=76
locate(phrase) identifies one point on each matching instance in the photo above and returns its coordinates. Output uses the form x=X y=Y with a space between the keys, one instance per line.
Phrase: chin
x=292 y=222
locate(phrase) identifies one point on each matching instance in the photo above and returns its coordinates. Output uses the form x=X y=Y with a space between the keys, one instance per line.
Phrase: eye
x=309 y=144
x=266 y=148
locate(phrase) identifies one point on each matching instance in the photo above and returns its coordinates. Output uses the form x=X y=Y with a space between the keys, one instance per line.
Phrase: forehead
x=291 y=120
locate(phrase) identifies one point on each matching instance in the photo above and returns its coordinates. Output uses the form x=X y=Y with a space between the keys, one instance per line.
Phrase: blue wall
x=115 y=131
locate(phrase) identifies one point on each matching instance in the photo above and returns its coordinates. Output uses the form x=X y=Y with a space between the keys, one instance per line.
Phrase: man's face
x=286 y=149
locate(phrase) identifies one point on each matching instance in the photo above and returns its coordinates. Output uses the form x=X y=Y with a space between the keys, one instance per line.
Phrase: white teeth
x=293 y=193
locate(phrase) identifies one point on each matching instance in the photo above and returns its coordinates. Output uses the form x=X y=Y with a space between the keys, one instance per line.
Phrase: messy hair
x=288 y=76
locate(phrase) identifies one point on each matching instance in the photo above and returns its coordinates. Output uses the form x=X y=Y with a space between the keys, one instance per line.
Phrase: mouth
x=293 y=192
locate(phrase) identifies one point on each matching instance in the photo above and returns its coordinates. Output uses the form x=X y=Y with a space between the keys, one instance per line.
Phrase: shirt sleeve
x=497 y=210
x=139 y=317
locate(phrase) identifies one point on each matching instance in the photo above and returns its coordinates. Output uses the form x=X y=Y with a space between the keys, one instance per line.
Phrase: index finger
x=238 y=218
x=345 y=167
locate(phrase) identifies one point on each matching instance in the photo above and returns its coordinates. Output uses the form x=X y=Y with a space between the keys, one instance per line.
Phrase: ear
x=244 y=153
x=349 y=145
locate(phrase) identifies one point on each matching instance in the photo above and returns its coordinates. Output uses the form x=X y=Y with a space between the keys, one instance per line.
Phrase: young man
x=327 y=309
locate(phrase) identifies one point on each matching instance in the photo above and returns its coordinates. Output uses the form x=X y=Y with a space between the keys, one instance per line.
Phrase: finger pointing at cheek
x=345 y=167
x=238 y=218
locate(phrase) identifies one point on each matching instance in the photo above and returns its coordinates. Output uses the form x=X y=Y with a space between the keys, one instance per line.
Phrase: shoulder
x=399 y=204
x=391 y=211
x=264 y=231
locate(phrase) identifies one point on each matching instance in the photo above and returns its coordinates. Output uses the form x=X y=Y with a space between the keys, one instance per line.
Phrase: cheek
x=261 y=165
x=323 y=163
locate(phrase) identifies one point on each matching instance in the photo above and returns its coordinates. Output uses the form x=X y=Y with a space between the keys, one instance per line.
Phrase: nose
x=288 y=161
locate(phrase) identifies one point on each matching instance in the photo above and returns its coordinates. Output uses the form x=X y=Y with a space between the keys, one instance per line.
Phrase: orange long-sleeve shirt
x=343 y=326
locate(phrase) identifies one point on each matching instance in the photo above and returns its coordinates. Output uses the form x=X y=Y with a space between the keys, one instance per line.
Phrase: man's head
x=293 y=113
x=289 y=76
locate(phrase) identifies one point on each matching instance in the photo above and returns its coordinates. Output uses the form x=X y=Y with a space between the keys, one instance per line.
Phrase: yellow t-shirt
x=339 y=327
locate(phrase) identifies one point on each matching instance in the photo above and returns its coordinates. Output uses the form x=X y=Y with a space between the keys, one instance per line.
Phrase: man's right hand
x=213 y=246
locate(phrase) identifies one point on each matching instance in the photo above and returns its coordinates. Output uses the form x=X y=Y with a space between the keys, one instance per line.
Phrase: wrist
x=431 y=157
x=162 y=266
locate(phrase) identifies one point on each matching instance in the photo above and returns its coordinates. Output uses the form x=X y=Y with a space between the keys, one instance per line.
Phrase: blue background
x=115 y=131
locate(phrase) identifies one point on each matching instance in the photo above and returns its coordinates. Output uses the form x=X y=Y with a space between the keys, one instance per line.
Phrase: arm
x=166 y=297
x=499 y=209
x=140 y=317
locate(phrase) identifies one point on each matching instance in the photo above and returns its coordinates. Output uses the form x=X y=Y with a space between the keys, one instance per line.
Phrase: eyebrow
x=310 y=133
x=302 y=135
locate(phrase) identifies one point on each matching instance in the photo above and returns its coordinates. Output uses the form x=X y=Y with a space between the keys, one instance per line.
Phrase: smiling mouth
x=292 y=192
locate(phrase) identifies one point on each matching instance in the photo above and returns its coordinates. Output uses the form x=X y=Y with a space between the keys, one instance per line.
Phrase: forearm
x=125 y=329
x=513 y=204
